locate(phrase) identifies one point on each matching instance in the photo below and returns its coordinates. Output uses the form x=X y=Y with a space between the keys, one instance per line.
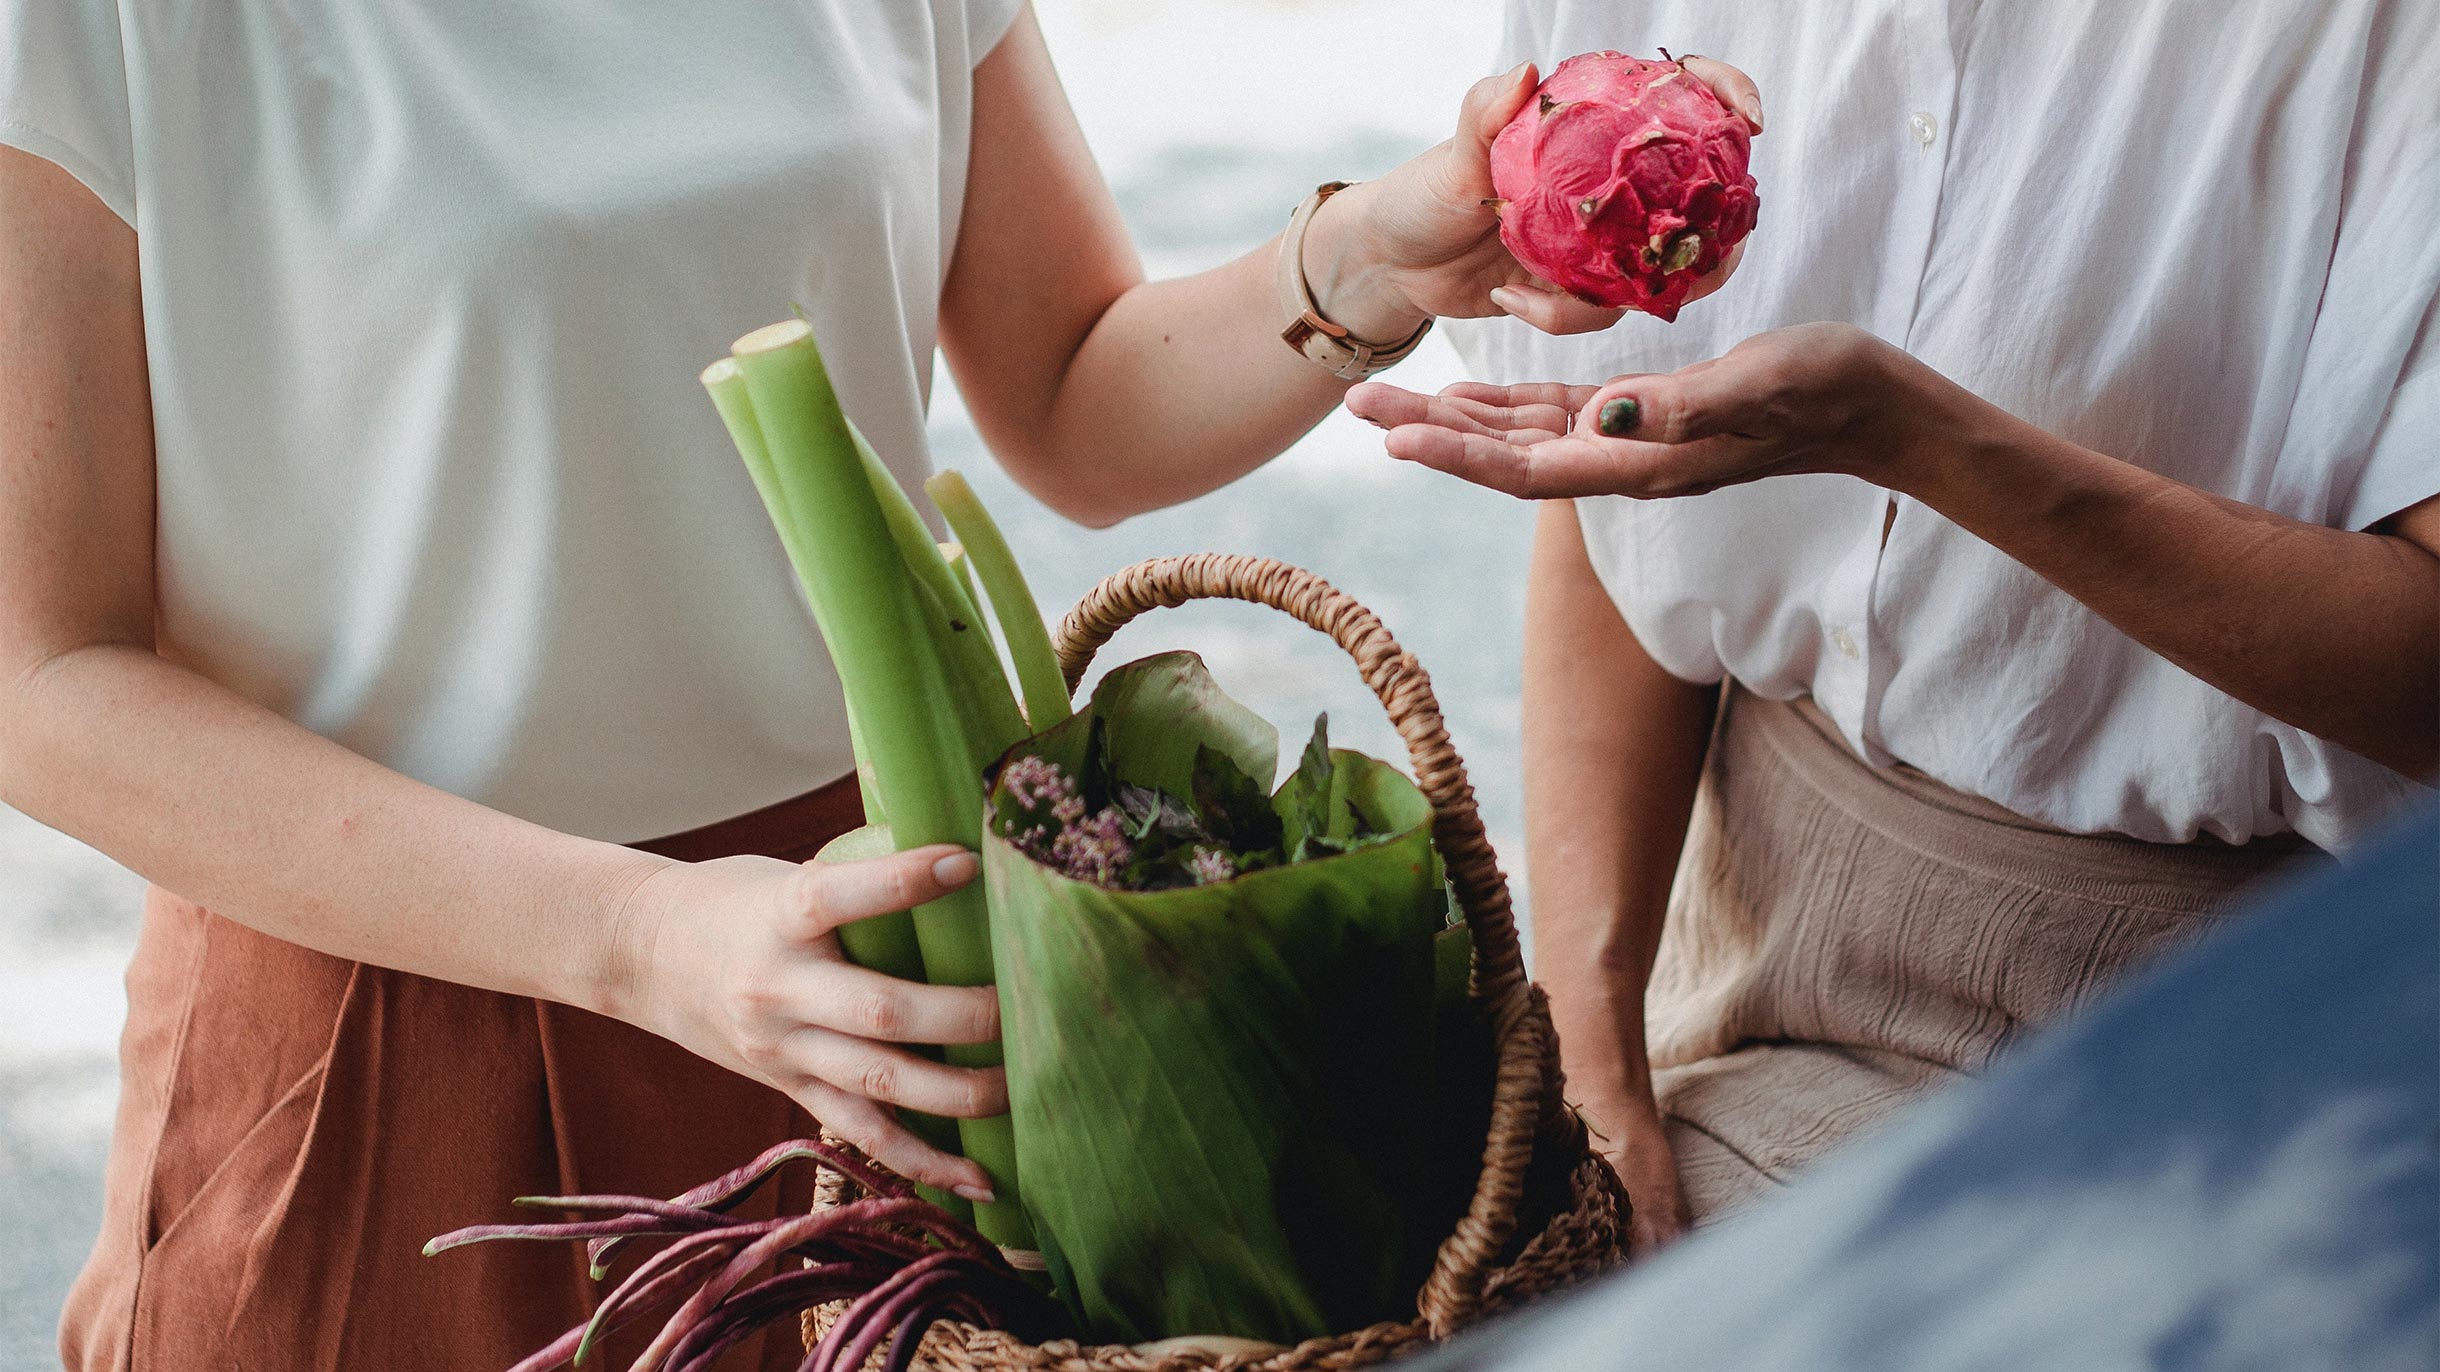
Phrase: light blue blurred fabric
x=2234 y=1164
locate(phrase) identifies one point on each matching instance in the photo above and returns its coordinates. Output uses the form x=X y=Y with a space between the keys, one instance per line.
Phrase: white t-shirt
x=2199 y=236
x=426 y=288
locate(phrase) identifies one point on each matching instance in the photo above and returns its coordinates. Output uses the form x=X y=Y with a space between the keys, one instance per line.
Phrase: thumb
x=1493 y=101
x=1665 y=407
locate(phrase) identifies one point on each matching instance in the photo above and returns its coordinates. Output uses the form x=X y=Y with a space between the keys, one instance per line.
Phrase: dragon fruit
x=1623 y=182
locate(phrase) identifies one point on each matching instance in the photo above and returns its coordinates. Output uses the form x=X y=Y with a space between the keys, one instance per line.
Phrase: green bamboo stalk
x=905 y=704
x=924 y=556
x=974 y=664
x=1029 y=642
x=955 y=555
x=873 y=813
x=885 y=944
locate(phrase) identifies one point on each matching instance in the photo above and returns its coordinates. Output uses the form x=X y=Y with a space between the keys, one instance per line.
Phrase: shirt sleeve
x=2402 y=467
x=987 y=22
x=2372 y=377
x=63 y=93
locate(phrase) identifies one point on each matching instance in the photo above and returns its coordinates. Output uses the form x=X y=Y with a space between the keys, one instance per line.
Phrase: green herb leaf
x=1153 y=812
x=1304 y=803
x=1099 y=778
x=1232 y=804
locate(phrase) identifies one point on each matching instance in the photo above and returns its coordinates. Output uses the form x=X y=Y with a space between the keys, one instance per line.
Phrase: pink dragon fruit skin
x=1623 y=181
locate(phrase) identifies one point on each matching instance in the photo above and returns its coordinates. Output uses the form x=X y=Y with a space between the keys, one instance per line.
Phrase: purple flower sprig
x=1149 y=842
x=1109 y=832
x=1055 y=829
x=1094 y=849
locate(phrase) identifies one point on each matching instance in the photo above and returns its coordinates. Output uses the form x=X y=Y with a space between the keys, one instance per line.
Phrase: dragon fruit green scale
x=1623 y=182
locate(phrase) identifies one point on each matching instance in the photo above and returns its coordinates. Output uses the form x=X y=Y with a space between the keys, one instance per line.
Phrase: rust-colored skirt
x=1844 y=939
x=292 y=1127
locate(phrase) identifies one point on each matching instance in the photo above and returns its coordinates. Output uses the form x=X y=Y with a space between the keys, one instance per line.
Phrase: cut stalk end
x=787 y=333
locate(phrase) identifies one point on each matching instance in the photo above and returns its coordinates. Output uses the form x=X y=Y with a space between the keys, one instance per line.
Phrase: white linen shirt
x=426 y=287
x=2200 y=236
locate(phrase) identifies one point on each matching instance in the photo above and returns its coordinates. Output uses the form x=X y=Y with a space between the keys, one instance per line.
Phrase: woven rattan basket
x=1538 y=1171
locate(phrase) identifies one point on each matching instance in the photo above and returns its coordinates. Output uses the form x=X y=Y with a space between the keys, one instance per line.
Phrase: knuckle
x=752 y=999
x=878 y=1012
x=977 y=1096
x=860 y=1130
x=809 y=901
x=910 y=883
x=761 y=1048
x=878 y=1078
x=983 y=1019
x=1669 y=418
x=972 y=1017
x=1841 y=344
x=868 y=1130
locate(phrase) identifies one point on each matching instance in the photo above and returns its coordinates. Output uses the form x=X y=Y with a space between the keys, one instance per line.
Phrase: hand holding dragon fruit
x=1624 y=181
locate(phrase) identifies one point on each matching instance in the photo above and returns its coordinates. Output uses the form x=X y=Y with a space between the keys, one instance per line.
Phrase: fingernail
x=1508 y=298
x=1620 y=416
x=980 y=1195
x=1752 y=110
x=956 y=869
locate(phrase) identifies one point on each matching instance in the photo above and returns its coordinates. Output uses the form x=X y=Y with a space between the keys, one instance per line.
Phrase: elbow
x=28 y=730
x=20 y=682
x=1088 y=508
x=1073 y=496
x=1091 y=516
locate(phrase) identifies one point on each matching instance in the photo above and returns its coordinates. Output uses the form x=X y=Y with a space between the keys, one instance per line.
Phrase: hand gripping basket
x=1535 y=1145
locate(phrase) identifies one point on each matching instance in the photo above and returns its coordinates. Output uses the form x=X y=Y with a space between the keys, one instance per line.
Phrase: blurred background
x=1212 y=118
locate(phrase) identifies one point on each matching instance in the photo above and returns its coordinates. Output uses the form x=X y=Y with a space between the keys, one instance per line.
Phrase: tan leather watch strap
x=1347 y=357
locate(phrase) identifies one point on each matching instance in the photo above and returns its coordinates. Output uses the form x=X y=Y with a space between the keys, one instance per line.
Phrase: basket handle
x=1527 y=1080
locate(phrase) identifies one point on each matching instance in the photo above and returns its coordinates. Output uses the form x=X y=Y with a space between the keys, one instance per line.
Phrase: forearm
x=1613 y=749
x=187 y=783
x=2334 y=632
x=266 y=823
x=1183 y=385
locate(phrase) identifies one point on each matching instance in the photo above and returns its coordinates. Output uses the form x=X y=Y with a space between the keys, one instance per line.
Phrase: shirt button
x=1926 y=128
x=1846 y=644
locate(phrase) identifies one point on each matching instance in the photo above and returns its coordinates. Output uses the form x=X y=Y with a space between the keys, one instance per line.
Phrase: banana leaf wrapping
x=1225 y=1097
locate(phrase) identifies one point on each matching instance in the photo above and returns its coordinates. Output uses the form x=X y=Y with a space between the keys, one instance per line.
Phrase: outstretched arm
x=2332 y=631
x=1107 y=395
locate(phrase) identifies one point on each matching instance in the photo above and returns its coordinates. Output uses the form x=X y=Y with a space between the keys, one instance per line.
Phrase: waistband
x=1966 y=831
x=793 y=829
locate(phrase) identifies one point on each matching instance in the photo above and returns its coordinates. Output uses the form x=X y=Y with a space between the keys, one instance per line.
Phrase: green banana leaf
x=1225 y=1095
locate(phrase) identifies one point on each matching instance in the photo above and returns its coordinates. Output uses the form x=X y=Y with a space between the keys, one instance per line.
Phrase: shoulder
x=63 y=93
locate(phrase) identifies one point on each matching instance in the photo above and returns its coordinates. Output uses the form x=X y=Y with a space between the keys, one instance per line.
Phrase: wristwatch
x=1345 y=356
